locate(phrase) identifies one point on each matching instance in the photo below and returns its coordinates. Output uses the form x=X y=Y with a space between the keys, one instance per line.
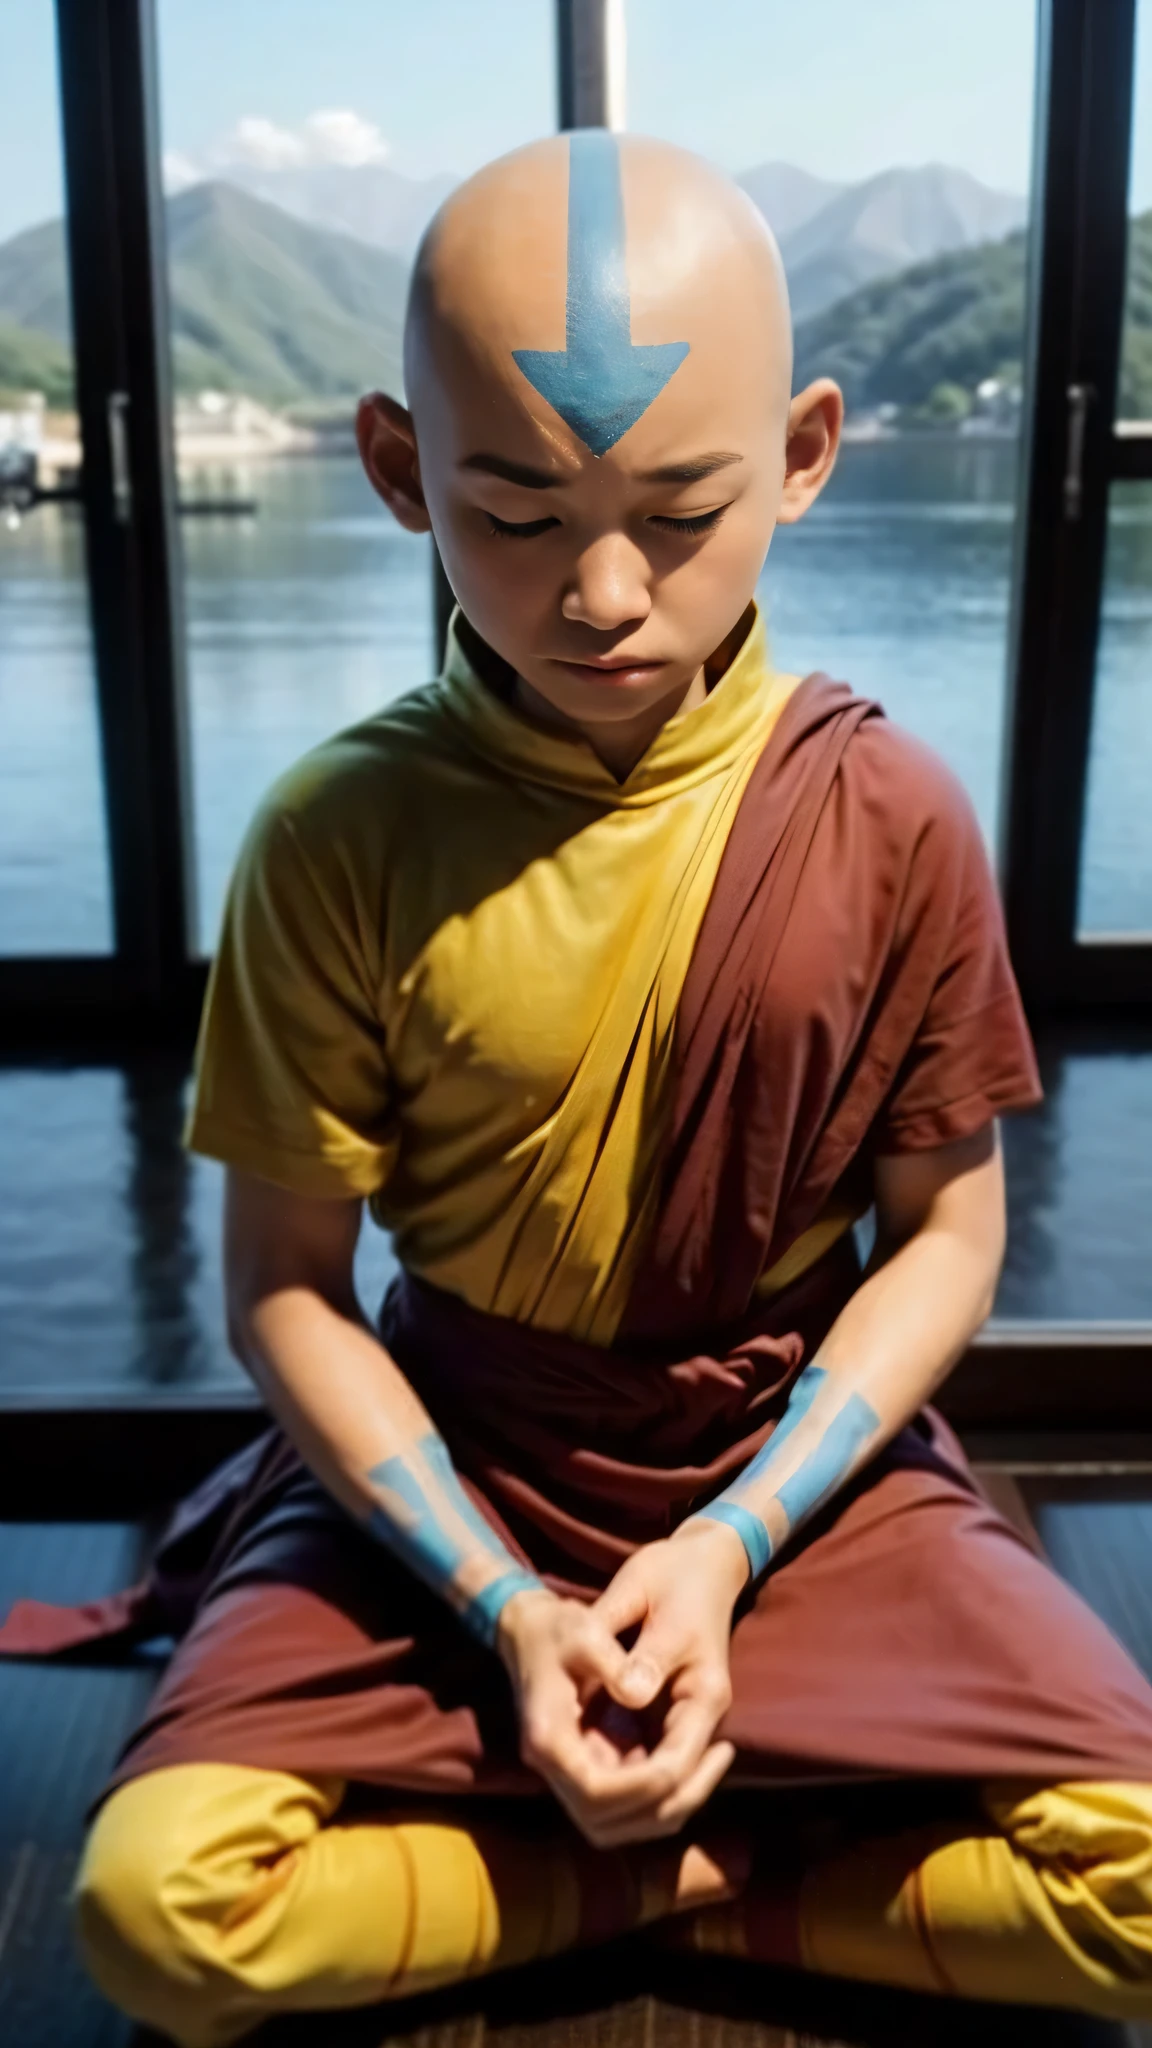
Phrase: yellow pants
x=211 y=1896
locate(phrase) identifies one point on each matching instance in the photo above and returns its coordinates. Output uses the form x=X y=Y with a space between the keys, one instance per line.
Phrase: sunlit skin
x=612 y=585
x=606 y=582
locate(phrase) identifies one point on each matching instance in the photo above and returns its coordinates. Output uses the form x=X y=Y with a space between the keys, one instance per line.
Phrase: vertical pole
x=590 y=45
x=116 y=261
x=590 y=48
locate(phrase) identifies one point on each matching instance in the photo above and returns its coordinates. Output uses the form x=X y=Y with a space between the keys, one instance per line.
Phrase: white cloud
x=180 y=171
x=332 y=135
x=338 y=136
x=261 y=144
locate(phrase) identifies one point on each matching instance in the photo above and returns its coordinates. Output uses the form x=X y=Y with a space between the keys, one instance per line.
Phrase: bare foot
x=711 y=1871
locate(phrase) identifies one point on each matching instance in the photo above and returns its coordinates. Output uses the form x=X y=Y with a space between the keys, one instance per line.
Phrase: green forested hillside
x=948 y=324
x=35 y=362
x=266 y=304
x=261 y=303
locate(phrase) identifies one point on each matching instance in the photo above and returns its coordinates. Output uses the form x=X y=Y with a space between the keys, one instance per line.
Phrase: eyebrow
x=689 y=472
x=530 y=479
x=512 y=472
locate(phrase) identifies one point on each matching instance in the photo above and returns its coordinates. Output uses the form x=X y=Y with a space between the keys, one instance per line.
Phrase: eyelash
x=702 y=523
x=528 y=529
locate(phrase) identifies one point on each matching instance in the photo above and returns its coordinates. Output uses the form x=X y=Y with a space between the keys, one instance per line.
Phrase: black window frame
x=151 y=985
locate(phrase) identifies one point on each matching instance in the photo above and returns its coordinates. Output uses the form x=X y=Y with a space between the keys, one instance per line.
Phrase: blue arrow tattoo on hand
x=601 y=382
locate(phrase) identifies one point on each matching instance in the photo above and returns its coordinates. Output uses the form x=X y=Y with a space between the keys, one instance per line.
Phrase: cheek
x=723 y=574
x=505 y=585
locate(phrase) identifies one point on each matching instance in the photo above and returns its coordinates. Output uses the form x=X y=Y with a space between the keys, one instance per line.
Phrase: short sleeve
x=291 y=1072
x=971 y=1055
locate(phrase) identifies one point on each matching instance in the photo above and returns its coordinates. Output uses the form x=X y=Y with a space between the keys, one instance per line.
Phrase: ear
x=387 y=442
x=815 y=420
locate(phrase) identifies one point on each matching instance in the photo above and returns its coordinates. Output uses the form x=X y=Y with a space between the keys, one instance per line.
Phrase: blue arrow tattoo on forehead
x=601 y=382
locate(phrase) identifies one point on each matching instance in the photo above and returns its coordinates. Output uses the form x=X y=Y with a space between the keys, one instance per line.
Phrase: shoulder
x=352 y=797
x=366 y=765
x=915 y=802
x=906 y=776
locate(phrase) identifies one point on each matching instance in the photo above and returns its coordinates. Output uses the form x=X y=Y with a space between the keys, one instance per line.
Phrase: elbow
x=990 y=1278
x=238 y=1322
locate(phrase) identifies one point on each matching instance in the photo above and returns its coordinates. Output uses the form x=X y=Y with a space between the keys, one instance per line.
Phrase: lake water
x=318 y=610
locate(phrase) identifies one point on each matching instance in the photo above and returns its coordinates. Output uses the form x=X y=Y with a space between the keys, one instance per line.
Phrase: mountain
x=377 y=205
x=30 y=361
x=898 y=218
x=34 y=281
x=261 y=302
x=787 y=196
x=955 y=320
x=938 y=329
x=269 y=305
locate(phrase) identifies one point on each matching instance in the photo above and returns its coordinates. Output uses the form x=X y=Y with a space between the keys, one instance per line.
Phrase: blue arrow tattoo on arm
x=789 y=1489
x=426 y=1519
x=601 y=382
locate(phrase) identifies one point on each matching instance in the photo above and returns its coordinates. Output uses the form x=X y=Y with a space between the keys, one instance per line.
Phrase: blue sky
x=841 y=87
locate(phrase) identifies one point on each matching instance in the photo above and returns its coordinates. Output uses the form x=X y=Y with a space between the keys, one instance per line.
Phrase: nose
x=609 y=585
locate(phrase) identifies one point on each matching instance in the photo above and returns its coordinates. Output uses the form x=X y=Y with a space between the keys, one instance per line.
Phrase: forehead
x=579 y=305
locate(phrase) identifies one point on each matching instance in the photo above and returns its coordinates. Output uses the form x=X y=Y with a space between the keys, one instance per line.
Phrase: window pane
x=300 y=175
x=1116 y=859
x=54 y=892
x=890 y=149
x=1134 y=398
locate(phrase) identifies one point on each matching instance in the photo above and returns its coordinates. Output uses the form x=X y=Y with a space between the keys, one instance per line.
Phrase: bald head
x=589 y=280
x=598 y=361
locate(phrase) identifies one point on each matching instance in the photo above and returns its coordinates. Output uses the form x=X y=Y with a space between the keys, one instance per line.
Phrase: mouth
x=615 y=669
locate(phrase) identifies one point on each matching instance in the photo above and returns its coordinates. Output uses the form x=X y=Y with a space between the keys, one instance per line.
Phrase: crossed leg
x=212 y=1896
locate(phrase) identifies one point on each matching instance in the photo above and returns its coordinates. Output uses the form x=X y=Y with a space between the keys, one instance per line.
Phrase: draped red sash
x=849 y=994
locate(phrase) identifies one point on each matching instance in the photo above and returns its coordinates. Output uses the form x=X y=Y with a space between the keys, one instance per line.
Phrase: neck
x=621 y=743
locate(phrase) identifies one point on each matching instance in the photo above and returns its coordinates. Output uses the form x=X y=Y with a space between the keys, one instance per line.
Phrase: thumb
x=645 y=1669
x=598 y=1654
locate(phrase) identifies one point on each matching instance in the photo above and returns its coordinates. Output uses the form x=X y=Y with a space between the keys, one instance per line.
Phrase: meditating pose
x=623 y=976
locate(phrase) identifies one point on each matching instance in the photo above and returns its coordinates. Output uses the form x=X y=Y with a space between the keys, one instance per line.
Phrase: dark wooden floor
x=60 y=1728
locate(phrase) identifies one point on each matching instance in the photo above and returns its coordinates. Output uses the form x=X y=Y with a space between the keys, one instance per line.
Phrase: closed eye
x=700 y=522
x=518 y=529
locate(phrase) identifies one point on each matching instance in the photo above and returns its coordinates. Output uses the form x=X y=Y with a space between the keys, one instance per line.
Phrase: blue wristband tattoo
x=429 y=1522
x=835 y=1453
x=749 y=1528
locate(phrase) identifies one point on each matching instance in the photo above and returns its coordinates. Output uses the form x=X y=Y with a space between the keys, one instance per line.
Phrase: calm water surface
x=317 y=611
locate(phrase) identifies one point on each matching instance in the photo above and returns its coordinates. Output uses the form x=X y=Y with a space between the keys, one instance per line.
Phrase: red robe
x=849 y=995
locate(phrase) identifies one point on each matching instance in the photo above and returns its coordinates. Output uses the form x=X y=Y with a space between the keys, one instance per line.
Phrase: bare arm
x=929 y=1287
x=295 y=1323
x=931 y=1283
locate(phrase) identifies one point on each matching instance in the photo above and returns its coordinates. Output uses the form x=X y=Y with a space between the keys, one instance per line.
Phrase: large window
x=1116 y=862
x=54 y=895
x=889 y=148
x=299 y=179
x=980 y=561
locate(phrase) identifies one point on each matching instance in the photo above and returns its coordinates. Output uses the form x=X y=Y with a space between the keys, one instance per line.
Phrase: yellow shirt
x=449 y=977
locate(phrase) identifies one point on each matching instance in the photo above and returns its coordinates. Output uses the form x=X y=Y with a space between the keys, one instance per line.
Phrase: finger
x=689 y=1728
x=623 y=1603
x=653 y=1659
x=604 y=1750
x=593 y=1653
x=669 y=1816
x=697 y=1789
x=557 y=1744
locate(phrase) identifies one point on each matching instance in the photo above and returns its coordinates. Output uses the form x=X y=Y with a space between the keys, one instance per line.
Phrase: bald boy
x=620 y=974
